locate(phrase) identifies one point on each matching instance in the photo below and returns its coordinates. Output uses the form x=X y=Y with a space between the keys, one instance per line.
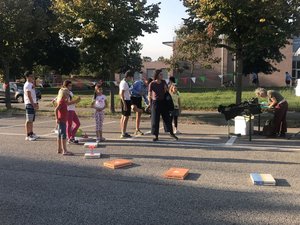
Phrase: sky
x=170 y=18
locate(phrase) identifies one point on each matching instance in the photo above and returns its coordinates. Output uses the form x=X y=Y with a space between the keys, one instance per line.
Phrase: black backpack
x=169 y=101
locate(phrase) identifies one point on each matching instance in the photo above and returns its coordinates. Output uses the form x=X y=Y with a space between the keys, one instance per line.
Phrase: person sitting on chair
x=277 y=102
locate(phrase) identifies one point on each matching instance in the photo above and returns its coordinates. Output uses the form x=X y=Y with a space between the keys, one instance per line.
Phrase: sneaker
x=97 y=140
x=177 y=132
x=138 y=132
x=55 y=131
x=73 y=141
x=174 y=136
x=30 y=138
x=35 y=136
x=155 y=139
x=282 y=135
x=126 y=135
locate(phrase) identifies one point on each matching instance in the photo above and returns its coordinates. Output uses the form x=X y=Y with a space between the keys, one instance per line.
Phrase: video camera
x=249 y=107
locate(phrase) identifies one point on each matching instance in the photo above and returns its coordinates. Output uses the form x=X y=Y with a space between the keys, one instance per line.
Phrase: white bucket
x=241 y=125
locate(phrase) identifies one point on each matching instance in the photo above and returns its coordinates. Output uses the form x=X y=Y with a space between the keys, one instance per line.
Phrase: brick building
x=212 y=77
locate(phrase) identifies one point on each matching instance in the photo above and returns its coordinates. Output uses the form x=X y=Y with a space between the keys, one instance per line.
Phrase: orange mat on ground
x=117 y=163
x=176 y=173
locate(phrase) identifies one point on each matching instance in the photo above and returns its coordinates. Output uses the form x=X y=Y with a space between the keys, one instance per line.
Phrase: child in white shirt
x=99 y=104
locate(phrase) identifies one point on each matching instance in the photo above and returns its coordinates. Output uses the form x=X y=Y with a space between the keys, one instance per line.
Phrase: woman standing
x=156 y=95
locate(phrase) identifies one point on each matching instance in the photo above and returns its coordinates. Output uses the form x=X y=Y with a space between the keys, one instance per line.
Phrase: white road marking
x=231 y=140
x=8 y=118
x=160 y=142
x=22 y=125
x=12 y=134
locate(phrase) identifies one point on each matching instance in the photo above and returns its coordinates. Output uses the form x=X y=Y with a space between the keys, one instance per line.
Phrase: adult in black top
x=156 y=95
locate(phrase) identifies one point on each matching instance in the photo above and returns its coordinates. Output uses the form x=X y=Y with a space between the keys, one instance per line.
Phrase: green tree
x=161 y=59
x=194 y=48
x=105 y=28
x=147 y=59
x=21 y=22
x=255 y=30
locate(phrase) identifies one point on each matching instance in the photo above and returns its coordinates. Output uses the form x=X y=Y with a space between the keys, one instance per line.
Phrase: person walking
x=288 y=79
x=177 y=107
x=99 y=104
x=254 y=78
x=31 y=105
x=139 y=91
x=124 y=93
x=156 y=95
x=277 y=102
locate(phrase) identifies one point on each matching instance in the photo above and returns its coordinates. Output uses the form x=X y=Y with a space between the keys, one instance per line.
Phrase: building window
x=150 y=72
x=296 y=69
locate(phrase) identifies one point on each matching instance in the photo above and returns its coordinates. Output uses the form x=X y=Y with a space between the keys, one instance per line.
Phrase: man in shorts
x=124 y=93
x=31 y=105
x=139 y=92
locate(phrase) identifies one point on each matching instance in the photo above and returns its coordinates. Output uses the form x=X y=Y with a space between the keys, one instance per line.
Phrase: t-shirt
x=157 y=90
x=28 y=86
x=62 y=114
x=124 y=87
x=276 y=95
x=71 y=107
x=100 y=101
x=288 y=76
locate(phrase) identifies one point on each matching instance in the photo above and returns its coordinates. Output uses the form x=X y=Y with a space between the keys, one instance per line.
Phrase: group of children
x=66 y=116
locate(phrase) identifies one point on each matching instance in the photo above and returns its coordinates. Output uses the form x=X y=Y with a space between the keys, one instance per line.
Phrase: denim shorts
x=30 y=113
x=62 y=130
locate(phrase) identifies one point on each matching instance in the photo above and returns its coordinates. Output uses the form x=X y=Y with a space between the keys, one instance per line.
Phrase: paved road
x=38 y=186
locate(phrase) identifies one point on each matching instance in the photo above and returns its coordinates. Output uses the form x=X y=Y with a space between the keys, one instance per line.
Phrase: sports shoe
x=138 y=132
x=73 y=141
x=174 y=136
x=282 y=135
x=35 y=136
x=55 y=131
x=30 y=138
x=126 y=135
x=177 y=132
x=98 y=140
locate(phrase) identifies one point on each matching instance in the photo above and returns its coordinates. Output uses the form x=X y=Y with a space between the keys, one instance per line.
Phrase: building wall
x=150 y=67
x=226 y=67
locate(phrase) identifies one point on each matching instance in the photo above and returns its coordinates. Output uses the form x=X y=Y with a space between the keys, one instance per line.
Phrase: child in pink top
x=61 y=115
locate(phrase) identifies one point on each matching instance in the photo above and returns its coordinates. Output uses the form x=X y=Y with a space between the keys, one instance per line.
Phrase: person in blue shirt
x=139 y=91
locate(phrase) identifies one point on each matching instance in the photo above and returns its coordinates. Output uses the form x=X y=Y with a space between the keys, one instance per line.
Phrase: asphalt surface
x=39 y=186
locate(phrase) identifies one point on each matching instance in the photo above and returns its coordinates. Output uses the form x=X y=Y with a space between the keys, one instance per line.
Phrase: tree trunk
x=192 y=72
x=239 y=79
x=112 y=92
x=7 y=87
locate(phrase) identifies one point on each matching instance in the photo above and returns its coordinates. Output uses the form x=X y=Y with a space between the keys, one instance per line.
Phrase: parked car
x=16 y=92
